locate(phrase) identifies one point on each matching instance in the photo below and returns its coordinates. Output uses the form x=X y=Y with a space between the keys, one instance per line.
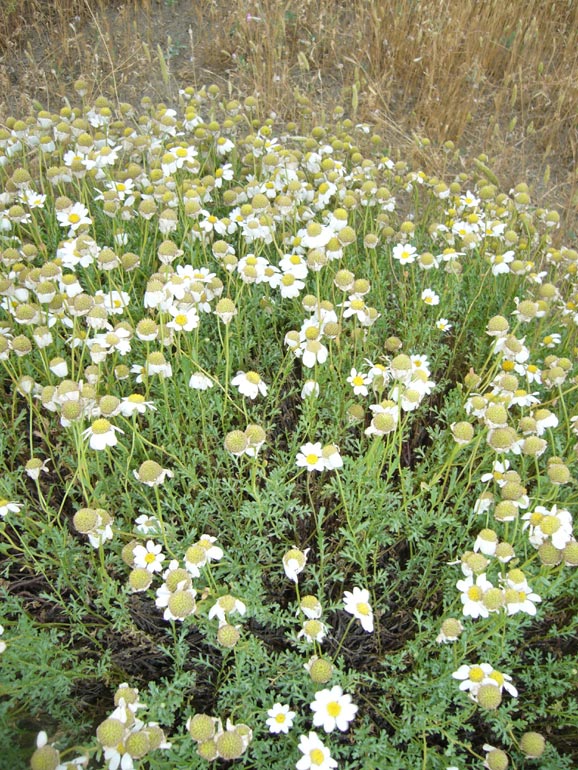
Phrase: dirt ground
x=151 y=48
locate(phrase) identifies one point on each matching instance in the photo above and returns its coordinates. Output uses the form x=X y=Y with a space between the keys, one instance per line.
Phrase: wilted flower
x=101 y=434
x=294 y=562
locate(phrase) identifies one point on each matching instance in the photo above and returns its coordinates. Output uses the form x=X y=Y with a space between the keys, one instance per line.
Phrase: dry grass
x=496 y=77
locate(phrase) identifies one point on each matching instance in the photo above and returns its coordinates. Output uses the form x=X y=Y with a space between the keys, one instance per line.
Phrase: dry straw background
x=494 y=77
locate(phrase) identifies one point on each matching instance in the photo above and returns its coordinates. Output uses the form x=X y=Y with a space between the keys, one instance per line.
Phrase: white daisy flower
x=310 y=389
x=74 y=217
x=8 y=506
x=280 y=718
x=333 y=709
x=224 y=606
x=183 y=320
x=359 y=382
x=316 y=756
x=135 y=404
x=404 y=253
x=519 y=595
x=294 y=562
x=430 y=297
x=473 y=590
x=356 y=603
x=313 y=631
x=311 y=457
x=249 y=384
x=147 y=525
x=149 y=557
x=200 y=381
x=549 y=524
x=101 y=434
x=312 y=352
x=443 y=325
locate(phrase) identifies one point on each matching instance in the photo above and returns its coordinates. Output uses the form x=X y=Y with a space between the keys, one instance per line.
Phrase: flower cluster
x=124 y=737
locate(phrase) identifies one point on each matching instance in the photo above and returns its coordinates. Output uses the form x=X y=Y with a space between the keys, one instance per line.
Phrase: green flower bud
x=320 y=670
x=236 y=442
x=208 y=750
x=504 y=552
x=45 y=758
x=493 y=599
x=489 y=696
x=201 y=727
x=497 y=325
x=549 y=555
x=229 y=745
x=393 y=344
x=140 y=579
x=477 y=562
x=228 y=636
x=506 y=510
x=570 y=554
x=496 y=759
x=558 y=473
x=463 y=432
x=127 y=553
x=182 y=604
x=85 y=520
x=110 y=733
x=137 y=744
x=155 y=735
x=177 y=576
x=532 y=745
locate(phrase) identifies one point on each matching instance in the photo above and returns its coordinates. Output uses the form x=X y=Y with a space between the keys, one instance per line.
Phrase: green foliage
x=378 y=439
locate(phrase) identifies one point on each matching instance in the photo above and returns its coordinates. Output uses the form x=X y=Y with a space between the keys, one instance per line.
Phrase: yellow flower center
x=497 y=677
x=357 y=304
x=149 y=558
x=311 y=333
x=333 y=709
x=312 y=458
x=101 y=426
x=476 y=674
x=316 y=757
x=549 y=525
x=280 y=718
x=181 y=319
x=475 y=593
x=363 y=608
x=73 y=219
x=358 y=380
